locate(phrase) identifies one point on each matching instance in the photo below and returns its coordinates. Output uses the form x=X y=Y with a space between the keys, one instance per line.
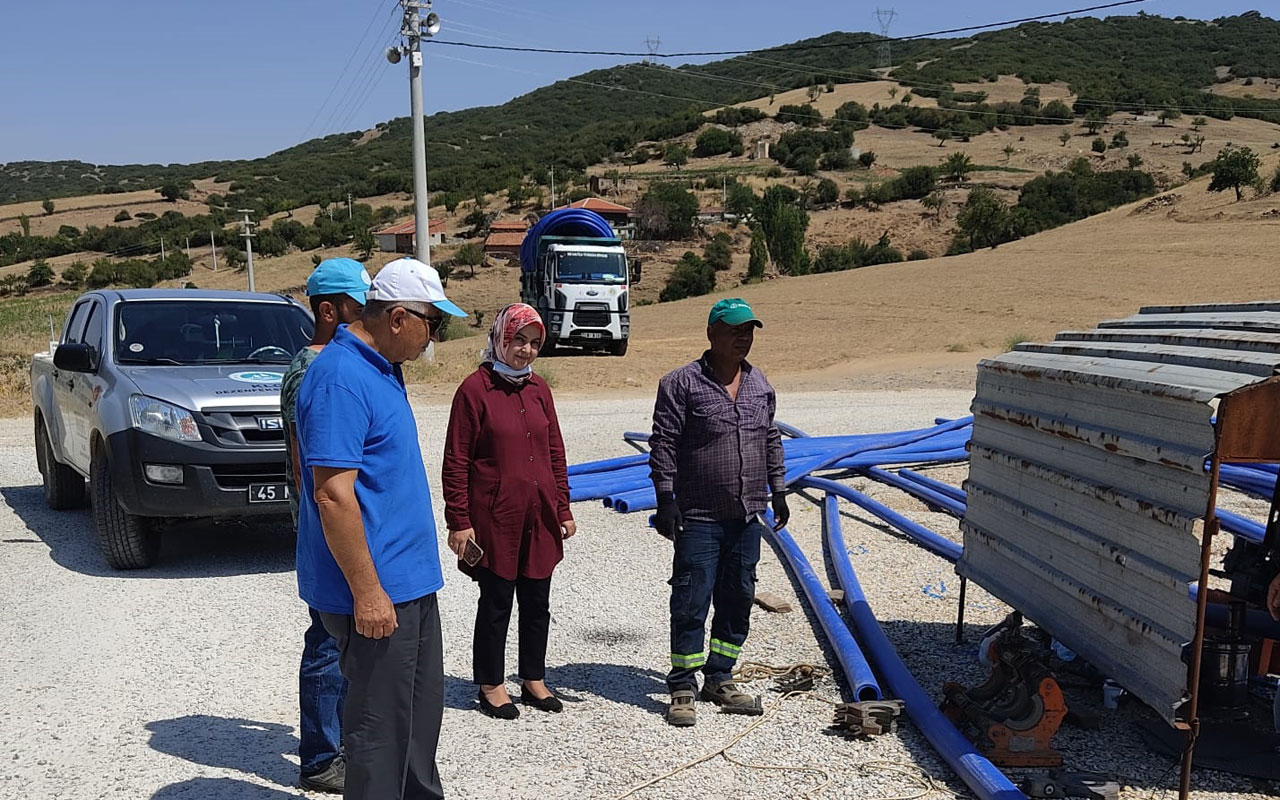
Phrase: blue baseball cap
x=339 y=276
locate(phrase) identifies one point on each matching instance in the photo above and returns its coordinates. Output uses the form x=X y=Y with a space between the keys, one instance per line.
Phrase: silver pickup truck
x=168 y=402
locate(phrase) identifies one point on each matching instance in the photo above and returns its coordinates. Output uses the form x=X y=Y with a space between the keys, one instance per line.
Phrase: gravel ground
x=180 y=681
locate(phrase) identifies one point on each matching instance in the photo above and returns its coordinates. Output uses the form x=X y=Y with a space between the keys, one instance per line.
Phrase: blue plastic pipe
x=980 y=775
x=790 y=430
x=924 y=537
x=954 y=492
x=935 y=499
x=803 y=467
x=857 y=672
x=562 y=222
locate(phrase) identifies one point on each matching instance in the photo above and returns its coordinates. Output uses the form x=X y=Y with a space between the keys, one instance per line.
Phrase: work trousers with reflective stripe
x=714 y=564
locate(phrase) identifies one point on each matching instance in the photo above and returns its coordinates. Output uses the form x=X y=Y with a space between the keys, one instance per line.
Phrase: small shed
x=618 y=216
x=505 y=239
x=400 y=238
x=1094 y=465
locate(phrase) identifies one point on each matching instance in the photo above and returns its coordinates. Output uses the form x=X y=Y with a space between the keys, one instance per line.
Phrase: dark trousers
x=321 y=693
x=493 y=615
x=391 y=721
x=713 y=562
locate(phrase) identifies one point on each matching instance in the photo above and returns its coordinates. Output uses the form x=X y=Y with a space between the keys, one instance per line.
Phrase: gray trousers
x=391 y=721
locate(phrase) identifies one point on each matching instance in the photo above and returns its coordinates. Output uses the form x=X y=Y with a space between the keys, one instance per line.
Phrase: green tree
x=676 y=155
x=759 y=255
x=719 y=252
x=47 y=205
x=1064 y=137
x=469 y=255
x=740 y=200
x=916 y=182
x=1099 y=145
x=1234 y=168
x=1168 y=115
x=715 y=141
x=1008 y=151
x=173 y=192
x=123 y=216
x=867 y=159
x=40 y=274
x=365 y=242
x=984 y=220
x=784 y=223
x=943 y=136
x=1119 y=139
x=1093 y=121
x=826 y=193
x=957 y=166
x=934 y=202
x=692 y=277
x=1134 y=160
x=233 y=257
x=25 y=223
x=1198 y=123
x=852 y=196
x=666 y=211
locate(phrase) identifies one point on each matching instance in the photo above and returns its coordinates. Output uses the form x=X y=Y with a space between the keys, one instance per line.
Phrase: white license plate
x=591 y=335
x=268 y=492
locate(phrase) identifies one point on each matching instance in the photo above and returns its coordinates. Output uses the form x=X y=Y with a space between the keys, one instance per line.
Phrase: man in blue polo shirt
x=367 y=553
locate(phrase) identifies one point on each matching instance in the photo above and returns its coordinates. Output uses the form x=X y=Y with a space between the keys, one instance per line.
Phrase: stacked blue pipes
x=623 y=484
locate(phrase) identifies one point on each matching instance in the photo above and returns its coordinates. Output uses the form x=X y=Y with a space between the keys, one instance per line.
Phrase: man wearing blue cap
x=336 y=290
x=716 y=462
x=368 y=555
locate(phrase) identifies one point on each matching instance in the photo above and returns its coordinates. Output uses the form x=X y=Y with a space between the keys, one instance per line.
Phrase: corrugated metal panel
x=1087 y=486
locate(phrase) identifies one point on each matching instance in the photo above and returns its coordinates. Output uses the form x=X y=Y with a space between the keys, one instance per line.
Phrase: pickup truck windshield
x=591 y=268
x=209 y=332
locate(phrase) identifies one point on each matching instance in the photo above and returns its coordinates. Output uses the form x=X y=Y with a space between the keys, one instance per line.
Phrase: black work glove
x=781 y=514
x=668 y=520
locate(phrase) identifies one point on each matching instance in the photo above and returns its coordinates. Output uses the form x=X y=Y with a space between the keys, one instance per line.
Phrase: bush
x=733 y=117
x=40 y=274
x=867 y=159
x=719 y=252
x=852 y=196
x=857 y=253
x=918 y=255
x=827 y=192
x=773 y=172
x=123 y=216
x=666 y=211
x=740 y=200
x=692 y=277
x=915 y=182
x=804 y=115
x=714 y=141
x=836 y=160
x=1134 y=161
x=1099 y=145
x=74 y=275
x=1275 y=181
x=801 y=149
x=853 y=113
x=68 y=231
x=1119 y=139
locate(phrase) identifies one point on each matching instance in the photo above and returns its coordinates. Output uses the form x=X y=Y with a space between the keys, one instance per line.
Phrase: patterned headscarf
x=510 y=320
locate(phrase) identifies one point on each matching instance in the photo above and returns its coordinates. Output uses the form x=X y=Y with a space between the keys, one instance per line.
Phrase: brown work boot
x=731 y=699
x=682 y=712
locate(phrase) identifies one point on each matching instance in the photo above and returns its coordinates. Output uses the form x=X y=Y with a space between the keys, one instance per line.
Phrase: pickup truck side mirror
x=75 y=357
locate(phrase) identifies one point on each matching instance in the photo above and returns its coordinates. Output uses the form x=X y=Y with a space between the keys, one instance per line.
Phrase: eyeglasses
x=433 y=323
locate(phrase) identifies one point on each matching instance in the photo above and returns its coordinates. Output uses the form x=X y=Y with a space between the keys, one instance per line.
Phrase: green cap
x=732 y=311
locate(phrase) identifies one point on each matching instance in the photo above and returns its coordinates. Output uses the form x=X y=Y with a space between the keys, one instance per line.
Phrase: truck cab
x=168 y=403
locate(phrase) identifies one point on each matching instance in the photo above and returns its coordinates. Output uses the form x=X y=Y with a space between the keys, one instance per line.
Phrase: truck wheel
x=63 y=486
x=127 y=541
x=548 y=347
x=618 y=348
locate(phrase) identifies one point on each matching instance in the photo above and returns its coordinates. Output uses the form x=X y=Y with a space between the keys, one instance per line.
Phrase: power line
x=789 y=48
x=351 y=96
x=342 y=74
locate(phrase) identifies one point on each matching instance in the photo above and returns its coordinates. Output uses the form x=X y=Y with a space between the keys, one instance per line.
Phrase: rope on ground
x=753 y=670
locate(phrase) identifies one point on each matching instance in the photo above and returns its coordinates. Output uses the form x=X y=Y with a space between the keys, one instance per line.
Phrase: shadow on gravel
x=221 y=789
x=257 y=748
x=645 y=689
x=187 y=550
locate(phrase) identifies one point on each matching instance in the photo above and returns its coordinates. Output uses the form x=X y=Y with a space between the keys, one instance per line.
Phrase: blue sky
x=169 y=81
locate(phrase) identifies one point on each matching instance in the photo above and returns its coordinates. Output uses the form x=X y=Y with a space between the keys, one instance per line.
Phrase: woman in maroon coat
x=506 y=487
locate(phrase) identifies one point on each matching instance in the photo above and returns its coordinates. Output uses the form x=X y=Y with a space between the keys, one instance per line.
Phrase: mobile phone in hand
x=472 y=553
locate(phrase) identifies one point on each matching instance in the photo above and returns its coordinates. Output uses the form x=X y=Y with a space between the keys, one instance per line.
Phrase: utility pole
x=724 y=192
x=247 y=233
x=188 y=247
x=553 y=188
x=413 y=27
x=348 y=206
x=884 y=54
x=213 y=250
x=162 y=256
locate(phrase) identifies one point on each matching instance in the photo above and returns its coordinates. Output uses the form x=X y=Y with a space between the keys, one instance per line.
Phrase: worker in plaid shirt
x=715 y=460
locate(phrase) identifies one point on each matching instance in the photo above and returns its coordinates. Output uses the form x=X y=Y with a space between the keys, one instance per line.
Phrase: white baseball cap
x=409 y=280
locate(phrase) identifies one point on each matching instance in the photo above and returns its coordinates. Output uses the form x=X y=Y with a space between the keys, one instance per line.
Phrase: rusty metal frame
x=1247 y=430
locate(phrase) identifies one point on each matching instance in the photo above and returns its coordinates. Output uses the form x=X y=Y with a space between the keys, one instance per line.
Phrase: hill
x=1121 y=63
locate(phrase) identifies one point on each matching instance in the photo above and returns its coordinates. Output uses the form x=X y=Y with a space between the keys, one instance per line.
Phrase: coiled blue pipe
x=564 y=222
x=979 y=774
x=936 y=499
x=954 y=492
x=857 y=672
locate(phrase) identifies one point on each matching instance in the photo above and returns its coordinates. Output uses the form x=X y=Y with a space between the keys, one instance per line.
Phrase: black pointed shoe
x=505 y=711
x=551 y=704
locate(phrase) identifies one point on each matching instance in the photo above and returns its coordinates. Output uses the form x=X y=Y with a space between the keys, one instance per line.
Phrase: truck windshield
x=209 y=332
x=591 y=268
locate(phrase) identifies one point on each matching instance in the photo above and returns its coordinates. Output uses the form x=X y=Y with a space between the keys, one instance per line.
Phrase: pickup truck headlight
x=163 y=419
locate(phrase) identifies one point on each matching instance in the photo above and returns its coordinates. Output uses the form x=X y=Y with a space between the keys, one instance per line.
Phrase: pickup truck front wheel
x=63 y=486
x=128 y=541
